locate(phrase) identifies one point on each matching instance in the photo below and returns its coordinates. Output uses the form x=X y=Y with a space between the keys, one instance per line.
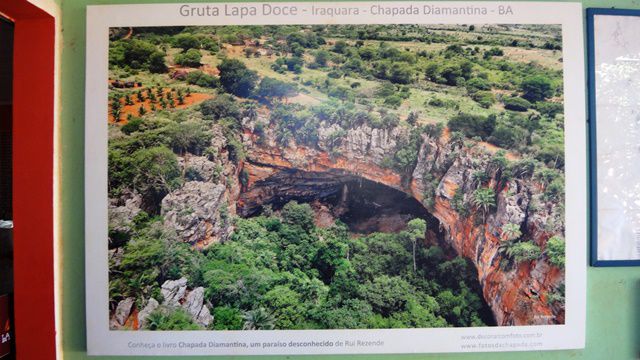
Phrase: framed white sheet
x=614 y=91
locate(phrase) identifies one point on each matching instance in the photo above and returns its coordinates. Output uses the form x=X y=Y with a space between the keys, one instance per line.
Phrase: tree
x=274 y=88
x=157 y=63
x=321 y=57
x=340 y=46
x=258 y=319
x=190 y=135
x=186 y=41
x=116 y=109
x=511 y=232
x=388 y=294
x=473 y=125
x=136 y=54
x=227 y=318
x=156 y=174
x=250 y=110
x=485 y=199
x=223 y=106
x=416 y=229
x=537 y=88
x=413 y=117
x=401 y=73
x=236 y=78
x=298 y=214
x=191 y=58
x=285 y=305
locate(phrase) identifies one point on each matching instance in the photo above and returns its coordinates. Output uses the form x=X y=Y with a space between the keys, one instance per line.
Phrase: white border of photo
x=102 y=341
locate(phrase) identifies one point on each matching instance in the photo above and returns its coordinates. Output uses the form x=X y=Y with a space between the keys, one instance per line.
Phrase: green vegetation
x=493 y=99
x=555 y=251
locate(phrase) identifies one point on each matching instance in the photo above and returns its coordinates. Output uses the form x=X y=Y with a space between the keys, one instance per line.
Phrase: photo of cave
x=293 y=177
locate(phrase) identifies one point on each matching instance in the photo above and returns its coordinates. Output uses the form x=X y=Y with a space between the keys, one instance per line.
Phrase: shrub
x=555 y=251
x=549 y=109
x=516 y=104
x=134 y=124
x=484 y=98
x=170 y=319
x=524 y=251
x=473 y=125
x=202 y=79
x=478 y=83
x=275 y=89
x=537 y=88
x=190 y=58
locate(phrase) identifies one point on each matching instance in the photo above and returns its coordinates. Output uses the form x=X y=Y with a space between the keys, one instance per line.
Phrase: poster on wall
x=335 y=178
x=614 y=55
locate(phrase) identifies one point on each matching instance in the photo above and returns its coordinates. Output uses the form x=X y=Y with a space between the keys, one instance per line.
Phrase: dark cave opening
x=363 y=205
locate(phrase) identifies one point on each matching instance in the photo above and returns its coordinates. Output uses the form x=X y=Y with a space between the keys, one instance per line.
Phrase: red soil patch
x=493 y=149
x=134 y=110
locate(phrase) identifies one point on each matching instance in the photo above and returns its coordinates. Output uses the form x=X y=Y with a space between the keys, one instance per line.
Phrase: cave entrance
x=363 y=205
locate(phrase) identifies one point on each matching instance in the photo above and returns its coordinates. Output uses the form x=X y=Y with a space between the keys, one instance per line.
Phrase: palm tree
x=251 y=111
x=511 y=232
x=258 y=319
x=485 y=199
x=116 y=109
x=417 y=229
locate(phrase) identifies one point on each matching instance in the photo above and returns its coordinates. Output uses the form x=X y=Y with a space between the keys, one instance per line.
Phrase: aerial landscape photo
x=294 y=177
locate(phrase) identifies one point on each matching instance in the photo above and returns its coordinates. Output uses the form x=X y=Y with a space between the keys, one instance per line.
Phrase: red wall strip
x=33 y=114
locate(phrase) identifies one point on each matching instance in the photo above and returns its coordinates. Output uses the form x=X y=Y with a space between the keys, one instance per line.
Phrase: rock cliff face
x=517 y=293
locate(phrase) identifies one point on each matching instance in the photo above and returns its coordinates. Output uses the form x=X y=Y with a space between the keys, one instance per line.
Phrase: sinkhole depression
x=363 y=205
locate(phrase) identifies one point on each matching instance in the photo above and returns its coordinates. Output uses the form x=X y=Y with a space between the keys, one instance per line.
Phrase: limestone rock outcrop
x=176 y=295
x=445 y=169
x=198 y=212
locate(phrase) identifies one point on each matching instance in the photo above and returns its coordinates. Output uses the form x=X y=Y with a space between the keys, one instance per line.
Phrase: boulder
x=152 y=305
x=194 y=305
x=173 y=291
x=123 y=311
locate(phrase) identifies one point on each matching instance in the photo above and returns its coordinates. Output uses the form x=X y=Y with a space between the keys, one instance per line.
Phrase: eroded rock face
x=176 y=295
x=517 y=295
x=199 y=168
x=197 y=212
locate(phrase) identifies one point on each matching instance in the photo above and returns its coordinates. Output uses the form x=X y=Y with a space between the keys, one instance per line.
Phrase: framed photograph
x=335 y=178
x=614 y=84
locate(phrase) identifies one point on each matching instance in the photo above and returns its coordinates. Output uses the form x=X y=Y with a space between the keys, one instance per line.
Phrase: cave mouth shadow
x=365 y=206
